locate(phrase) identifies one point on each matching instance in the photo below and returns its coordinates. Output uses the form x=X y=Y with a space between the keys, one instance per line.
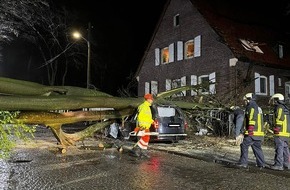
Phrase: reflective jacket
x=253 y=120
x=281 y=120
x=144 y=118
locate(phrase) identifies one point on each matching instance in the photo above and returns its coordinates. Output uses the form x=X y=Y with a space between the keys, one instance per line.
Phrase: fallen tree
x=55 y=121
x=40 y=104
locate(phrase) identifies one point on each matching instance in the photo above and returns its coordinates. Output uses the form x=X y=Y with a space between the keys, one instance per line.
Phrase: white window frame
x=154 y=87
x=287 y=91
x=179 y=50
x=186 y=44
x=197 y=46
x=157 y=56
x=193 y=82
x=147 y=87
x=200 y=82
x=183 y=83
x=176 y=83
x=271 y=85
x=279 y=82
x=164 y=61
x=171 y=53
x=258 y=78
x=176 y=20
x=281 y=51
x=212 y=80
x=168 y=84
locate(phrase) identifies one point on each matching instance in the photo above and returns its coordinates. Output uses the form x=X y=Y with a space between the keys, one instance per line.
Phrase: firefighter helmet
x=148 y=96
x=277 y=96
x=249 y=96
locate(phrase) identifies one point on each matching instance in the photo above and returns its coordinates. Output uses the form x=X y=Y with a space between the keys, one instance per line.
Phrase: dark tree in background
x=36 y=42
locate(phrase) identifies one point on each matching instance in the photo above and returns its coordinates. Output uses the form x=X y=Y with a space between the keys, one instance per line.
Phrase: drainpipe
x=233 y=63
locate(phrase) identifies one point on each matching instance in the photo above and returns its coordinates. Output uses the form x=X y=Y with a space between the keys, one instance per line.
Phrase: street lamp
x=78 y=35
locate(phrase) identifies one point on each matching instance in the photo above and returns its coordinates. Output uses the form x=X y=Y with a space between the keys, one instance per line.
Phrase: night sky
x=120 y=34
x=121 y=31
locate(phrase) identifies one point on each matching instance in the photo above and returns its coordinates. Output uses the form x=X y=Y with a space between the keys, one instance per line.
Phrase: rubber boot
x=136 y=151
x=145 y=153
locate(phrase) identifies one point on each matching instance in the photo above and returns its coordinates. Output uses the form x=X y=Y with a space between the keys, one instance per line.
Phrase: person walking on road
x=253 y=135
x=281 y=126
x=144 y=121
x=238 y=121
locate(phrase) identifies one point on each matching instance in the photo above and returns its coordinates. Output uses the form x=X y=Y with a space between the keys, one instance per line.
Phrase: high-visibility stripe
x=144 y=141
x=282 y=121
x=251 y=117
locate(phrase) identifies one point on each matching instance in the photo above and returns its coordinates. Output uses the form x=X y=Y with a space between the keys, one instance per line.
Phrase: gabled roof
x=233 y=32
x=236 y=34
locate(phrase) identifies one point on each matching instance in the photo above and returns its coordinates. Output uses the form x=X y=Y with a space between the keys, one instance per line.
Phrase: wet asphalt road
x=43 y=167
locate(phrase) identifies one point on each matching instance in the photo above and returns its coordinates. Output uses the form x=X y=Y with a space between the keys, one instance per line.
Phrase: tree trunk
x=55 y=121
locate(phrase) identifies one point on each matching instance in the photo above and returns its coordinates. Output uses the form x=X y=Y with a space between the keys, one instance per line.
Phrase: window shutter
x=171 y=52
x=193 y=81
x=257 y=83
x=183 y=83
x=157 y=56
x=197 y=46
x=281 y=51
x=168 y=84
x=147 y=87
x=212 y=80
x=179 y=50
x=154 y=87
x=272 y=85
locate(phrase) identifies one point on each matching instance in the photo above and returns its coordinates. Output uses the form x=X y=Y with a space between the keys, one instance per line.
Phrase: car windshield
x=166 y=111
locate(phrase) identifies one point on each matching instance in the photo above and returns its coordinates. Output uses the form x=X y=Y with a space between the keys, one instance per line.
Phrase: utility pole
x=89 y=56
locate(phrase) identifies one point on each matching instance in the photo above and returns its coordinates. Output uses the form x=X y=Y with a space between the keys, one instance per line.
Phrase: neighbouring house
x=192 y=45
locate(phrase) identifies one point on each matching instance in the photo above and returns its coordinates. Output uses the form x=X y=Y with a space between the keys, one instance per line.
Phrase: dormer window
x=176 y=20
x=251 y=46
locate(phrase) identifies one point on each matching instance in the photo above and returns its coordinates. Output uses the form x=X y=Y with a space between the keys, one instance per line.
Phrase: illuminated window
x=165 y=55
x=189 y=49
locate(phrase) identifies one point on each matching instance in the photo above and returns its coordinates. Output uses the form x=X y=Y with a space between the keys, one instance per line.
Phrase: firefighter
x=281 y=128
x=144 y=121
x=238 y=121
x=254 y=134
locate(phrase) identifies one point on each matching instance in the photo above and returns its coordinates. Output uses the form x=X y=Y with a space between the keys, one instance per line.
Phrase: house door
x=287 y=91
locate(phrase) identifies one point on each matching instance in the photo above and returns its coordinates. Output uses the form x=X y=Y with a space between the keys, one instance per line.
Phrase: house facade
x=219 y=57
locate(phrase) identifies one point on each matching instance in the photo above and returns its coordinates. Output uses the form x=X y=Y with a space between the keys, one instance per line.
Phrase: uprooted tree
x=40 y=105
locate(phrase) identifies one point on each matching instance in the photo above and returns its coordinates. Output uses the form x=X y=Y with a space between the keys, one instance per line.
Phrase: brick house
x=191 y=45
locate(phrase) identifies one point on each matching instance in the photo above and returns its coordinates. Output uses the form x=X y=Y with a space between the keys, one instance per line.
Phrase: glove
x=155 y=124
x=239 y=139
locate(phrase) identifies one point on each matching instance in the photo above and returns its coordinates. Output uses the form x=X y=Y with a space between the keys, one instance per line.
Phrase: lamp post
x=78 y=35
